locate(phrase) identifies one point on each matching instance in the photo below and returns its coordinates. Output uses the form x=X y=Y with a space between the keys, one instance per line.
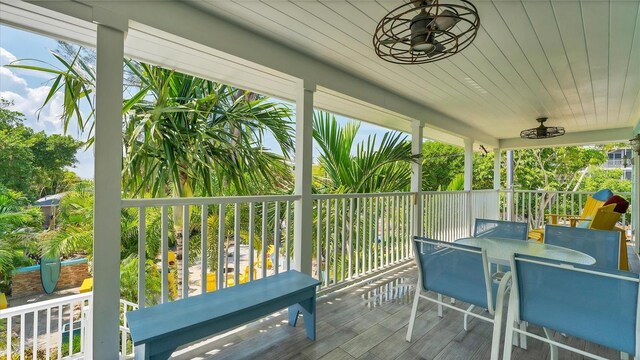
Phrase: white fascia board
x=571 y=139
x=190 y=23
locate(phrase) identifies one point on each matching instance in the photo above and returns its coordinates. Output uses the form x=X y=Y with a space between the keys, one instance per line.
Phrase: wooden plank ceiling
x=577 y=62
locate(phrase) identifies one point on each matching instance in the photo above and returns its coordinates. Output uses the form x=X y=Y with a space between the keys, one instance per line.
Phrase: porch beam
x=417 y=135
x=107 y=205
x=303 y=210
x=468 y=164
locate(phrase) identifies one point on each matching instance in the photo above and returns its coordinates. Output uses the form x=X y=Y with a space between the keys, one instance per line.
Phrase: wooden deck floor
x=369 y=321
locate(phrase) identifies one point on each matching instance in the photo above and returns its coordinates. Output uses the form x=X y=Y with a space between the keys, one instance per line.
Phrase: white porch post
x=108 y=164
x=509 y=185
x=468 y=181
x=417 y=130
x=303 y=210
x=468 y=164
x=497 y=163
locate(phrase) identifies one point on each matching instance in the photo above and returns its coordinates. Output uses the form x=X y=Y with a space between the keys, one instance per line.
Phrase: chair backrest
x=604 y=246
x=605 y=218
x=501 y=229
x=454 y=270
x=600 y=305
x=591 y=207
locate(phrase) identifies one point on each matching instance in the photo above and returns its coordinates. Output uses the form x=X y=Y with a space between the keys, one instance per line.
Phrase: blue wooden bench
x=159 y=330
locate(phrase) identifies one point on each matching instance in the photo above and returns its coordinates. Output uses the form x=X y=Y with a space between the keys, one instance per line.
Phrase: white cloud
x=6 y=57
x=5 y=73
x=29 y=104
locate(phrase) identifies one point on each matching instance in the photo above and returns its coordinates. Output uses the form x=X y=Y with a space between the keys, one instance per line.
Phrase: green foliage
x=18 y=225
x=598 y=178
x=32 y=162
x=129 y=280
x=372 y=168
x=441 y=163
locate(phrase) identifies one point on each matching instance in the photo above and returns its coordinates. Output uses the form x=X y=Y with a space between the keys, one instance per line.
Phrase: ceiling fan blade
x=393 y=41
x=446 y=20
x=438 y=50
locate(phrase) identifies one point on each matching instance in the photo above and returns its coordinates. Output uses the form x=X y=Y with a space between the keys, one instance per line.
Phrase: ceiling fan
x=422 y=31
x=542 y=132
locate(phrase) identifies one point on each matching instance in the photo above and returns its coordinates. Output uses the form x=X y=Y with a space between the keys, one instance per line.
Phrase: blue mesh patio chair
x=501 y=229
x=459 y=272
x=604 y=309
x=602 y=245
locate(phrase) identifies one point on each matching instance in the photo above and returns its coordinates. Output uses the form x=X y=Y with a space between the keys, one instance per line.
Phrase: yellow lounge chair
x=588 y=212
x=3 y=301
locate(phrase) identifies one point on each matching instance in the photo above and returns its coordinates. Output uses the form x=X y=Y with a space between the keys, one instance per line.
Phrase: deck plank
x=363 y=322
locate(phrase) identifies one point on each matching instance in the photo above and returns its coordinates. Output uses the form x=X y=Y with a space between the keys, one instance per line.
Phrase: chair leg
x=508 y=331
x=439 y=305
x=497 y=319
x=523 y=337
x=414 y=310
x=553 y=348
x=466 y=317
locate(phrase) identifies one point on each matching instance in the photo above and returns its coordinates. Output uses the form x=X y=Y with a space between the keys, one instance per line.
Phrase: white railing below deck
x=450 y=215
x=254 y=240
x=55 y=329
x=357 y=234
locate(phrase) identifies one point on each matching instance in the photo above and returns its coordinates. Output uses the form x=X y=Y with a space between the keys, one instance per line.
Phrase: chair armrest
x=574 y=221
x=553 y=219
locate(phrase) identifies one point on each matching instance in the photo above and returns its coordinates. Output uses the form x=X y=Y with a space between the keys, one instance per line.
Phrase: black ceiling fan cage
x=542 y=132
x=446 y=28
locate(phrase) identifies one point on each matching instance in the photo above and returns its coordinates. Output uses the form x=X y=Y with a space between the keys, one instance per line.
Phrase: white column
x=510 y=185
x=416 y=176
x=108 y=163
x=303 y=210
x=497 y=163
x=468 y=164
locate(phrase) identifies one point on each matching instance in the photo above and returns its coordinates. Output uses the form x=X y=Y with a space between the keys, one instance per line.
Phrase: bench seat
x=159 y=330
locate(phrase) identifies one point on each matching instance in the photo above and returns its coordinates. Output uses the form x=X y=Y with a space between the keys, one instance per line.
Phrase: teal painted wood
x=157 y=331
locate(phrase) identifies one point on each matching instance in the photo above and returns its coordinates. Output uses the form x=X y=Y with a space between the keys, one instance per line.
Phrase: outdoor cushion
x=602 y=195
x=621 y=204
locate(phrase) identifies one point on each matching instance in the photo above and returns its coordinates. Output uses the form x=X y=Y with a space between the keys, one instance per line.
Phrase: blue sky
x=28 y=89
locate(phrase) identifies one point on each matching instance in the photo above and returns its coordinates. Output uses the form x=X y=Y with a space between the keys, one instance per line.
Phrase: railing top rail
x=130 y=203
x=360 y=195
x=42 y=305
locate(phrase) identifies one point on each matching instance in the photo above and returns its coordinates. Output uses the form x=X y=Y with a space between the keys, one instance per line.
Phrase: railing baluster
x=164 y=240
x=335 y=241
x=358 y=231
x=142 y=255
x=352 y=228
x=252 y=221
x=264 y=240
x=287 y=240
x=327 y=242
x=185 y=252
x=204 y=231
x=276 y=238
x=236 y=244
x=35 y=334
x=71 y=329
x=343 y=235
x=47 y=350
x=222 y=252
x=60 y=331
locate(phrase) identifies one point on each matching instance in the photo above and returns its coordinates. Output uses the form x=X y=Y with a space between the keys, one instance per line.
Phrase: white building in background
x=620 y=159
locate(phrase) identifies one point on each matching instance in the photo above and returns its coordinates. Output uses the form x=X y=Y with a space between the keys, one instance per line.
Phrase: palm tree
x=370 y=168
x=182 y=135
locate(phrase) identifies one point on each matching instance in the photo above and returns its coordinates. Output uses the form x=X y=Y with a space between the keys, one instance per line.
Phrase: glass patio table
x=499 y=251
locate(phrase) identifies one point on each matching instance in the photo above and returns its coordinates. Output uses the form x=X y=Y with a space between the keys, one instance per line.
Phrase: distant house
x=49 y=205
x=620 y=159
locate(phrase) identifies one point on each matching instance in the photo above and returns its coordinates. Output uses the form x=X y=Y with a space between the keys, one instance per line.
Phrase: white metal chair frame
x=513 y=316
x=495 y=311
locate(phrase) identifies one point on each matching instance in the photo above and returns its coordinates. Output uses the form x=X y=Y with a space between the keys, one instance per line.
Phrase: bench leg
x=308 y=310
x=143 y=352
